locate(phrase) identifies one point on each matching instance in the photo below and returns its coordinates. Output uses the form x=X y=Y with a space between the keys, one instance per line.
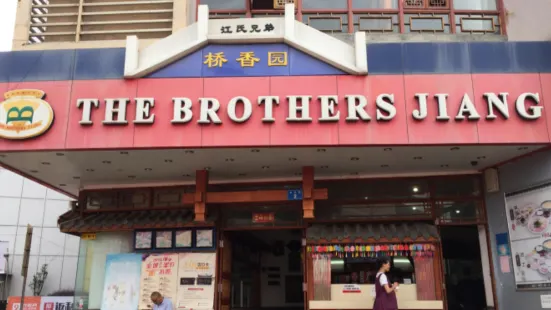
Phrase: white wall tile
x=55 y=267
x=32 y=212
x=72 y=245
x=54 y=208
x=20 y=240
x=16 y=283
x=11 y=184
x=8 y=233
x=31 y=189
x=51 y=194
x=9 y=211
x=53 y=242
x=69 y=272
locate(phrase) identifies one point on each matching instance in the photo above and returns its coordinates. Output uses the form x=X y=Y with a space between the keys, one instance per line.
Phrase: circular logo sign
x=24 y=114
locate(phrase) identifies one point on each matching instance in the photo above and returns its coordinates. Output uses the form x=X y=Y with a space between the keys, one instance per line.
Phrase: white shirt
x=382 y=279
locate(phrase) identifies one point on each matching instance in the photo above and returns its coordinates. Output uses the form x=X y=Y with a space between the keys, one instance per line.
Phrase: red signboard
x=263 y=217
x=31 y=303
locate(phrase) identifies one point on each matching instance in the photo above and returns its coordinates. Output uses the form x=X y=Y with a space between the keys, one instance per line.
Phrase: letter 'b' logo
x=24 y=114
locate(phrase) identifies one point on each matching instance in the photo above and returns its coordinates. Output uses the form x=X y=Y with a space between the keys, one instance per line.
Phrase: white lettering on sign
x=351 y=288
x=358 y=107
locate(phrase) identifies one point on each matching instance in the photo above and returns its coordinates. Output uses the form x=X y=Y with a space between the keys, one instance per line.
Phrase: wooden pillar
x=308 y=192
x=201 y=182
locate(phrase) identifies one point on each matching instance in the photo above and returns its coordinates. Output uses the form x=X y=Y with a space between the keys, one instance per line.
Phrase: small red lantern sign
x=263 y=217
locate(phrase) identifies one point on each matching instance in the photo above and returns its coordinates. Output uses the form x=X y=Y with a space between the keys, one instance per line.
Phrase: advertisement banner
x=529 y=222
x=122 y=282
x=56 y=303
x=31 y=303
x=197 y=273
x=159 y=273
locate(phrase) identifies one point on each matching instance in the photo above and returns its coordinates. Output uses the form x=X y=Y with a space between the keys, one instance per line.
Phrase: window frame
x=401 y=12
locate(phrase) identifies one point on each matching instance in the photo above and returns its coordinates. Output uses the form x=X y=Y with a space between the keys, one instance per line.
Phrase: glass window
x=374 y=4
x=326 y=211
x=467 y=186
x=483 y=5
x=325 y=4
x=382 y=189
x=363 y=270
x=458 y=211
x=225 y=4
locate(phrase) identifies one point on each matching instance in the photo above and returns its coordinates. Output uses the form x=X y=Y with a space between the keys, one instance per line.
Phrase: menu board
x=159 y=273
x=122 y=277
x=529 y=222
x=197 y=278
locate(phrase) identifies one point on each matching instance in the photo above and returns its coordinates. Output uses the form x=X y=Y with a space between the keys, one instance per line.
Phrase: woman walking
x=385 y=294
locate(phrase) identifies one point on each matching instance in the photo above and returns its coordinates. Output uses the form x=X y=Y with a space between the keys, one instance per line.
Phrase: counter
x=363 y=299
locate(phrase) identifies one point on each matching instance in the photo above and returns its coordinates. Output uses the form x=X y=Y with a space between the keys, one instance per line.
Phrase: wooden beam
x=250 y=196
x=308 y=192
x=199 y=198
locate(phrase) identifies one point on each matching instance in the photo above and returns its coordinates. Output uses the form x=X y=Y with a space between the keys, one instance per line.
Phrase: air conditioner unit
x=280 y=4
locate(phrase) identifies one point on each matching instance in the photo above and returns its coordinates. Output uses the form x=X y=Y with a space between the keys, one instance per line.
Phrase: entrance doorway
x=463 y=268
x=267 y=270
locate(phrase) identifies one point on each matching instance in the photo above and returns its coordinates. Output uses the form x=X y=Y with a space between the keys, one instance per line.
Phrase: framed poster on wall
x=529 y=223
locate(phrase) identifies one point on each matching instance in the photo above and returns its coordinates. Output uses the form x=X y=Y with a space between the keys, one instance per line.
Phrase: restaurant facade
x=261 y=163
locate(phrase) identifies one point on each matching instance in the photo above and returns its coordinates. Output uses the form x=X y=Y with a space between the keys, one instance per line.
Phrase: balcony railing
x=97 y=20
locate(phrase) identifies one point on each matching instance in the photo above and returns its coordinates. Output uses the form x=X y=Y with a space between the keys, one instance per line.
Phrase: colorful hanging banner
x=362 y=250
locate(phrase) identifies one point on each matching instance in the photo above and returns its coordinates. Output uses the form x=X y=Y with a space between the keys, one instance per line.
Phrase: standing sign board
x=528 y=216
x=197 y=278
x=122 y=280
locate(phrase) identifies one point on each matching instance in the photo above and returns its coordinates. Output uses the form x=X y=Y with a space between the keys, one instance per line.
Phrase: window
x=363 y=270
x=374 y=16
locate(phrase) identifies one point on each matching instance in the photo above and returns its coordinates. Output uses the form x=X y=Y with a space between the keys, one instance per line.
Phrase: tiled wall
x=25 y=202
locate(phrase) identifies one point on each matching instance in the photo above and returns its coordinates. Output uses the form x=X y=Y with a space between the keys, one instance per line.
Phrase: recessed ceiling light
x=230 y=159
x=106 y=162
x=168 y=161
x=131 y=176
x=242 y=174
x=444 y=166
x=207 y=168
x=354 y=158
x=457 y=211
x=62 y=185
x=522 y=148
x=385 y=166
x=354 y=173
x=90 y=170
x=34 y=171
x=45 y=163
x=455 y=148
x=366 y=198
x=76 y=178
x=120 y=170
x=148 y=169
x=292 y=159
x=124 y=153
x=387 y=149
x=59 y=154
x=415 y=189
x=255 y=151
x=414 y=208
x=321 y=150
x=481 y=157
x=417 y=158
x=186 y=175
x=265 y=167
x=189 y=152
x=298 y=174
x=324 y=167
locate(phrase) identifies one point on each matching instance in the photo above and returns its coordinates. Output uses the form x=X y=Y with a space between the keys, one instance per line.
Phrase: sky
x=7 y=22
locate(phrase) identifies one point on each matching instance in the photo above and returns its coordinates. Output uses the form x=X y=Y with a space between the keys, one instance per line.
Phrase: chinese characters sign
x=159 y=273
x=246 y=59
x=241 y=28
x=56 y=303
x=263 y=217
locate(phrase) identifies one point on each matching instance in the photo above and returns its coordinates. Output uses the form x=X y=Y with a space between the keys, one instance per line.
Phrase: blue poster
x=502 y=242
x=122 y=282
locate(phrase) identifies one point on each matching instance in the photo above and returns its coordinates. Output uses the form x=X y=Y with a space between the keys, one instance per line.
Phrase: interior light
x=457 y=211
x=337 y=262
x=414 y=208
x=415 y=189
